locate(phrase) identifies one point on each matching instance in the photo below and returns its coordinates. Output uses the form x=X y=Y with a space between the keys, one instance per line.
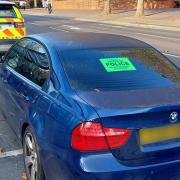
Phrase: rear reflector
x=91 y=136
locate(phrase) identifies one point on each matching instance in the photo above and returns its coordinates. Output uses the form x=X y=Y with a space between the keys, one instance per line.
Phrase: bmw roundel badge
x=173 y=117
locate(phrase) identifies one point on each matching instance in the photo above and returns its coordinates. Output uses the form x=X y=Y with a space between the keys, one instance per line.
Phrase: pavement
x=166 y=41
x=11 y=162
x=160 y=19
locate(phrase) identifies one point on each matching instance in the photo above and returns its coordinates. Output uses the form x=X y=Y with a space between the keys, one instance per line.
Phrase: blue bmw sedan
x=90 y=106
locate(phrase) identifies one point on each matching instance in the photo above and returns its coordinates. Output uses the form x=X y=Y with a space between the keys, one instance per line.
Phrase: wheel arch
x=23 y=129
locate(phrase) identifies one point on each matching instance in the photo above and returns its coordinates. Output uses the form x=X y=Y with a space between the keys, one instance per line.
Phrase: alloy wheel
x=30 y=157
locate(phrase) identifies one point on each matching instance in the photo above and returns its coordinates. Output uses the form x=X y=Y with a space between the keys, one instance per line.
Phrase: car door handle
x=25 y=97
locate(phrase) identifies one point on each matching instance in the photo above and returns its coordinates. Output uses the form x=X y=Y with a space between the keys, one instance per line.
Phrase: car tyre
x=33 y=166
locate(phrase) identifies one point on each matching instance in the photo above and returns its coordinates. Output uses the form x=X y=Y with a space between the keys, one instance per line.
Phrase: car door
x=28 y=79
x=8 y=80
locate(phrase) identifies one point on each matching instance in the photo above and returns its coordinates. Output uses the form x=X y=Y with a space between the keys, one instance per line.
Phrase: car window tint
x=7 y=11
x=35 y=66
x=13 y=58
x=119 y=69
x=40 y=56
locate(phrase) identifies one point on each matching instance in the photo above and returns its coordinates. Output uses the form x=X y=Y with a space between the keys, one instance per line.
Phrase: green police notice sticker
x=117 y=64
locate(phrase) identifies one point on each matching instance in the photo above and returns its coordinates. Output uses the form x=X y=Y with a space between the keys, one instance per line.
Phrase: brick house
x=115 y=4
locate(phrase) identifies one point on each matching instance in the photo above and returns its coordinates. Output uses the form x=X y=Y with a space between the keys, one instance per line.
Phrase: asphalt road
x=165 y=41
x=11 y=164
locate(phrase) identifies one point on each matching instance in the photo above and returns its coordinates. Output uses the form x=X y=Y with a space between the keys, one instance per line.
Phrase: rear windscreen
x=7 y=11
x=119 y=70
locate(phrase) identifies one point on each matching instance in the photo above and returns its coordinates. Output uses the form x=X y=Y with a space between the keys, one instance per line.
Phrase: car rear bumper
x=105 y=166
x=6 y=44
x=102 y=166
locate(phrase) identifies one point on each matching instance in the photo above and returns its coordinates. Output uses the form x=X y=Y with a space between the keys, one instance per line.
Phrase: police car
x=12 y=25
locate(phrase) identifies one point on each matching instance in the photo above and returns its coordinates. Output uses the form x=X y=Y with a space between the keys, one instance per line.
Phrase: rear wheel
x=33 y=167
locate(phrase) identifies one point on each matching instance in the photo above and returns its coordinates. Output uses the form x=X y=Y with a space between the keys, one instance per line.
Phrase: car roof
x=88 y=40
x=7 y=2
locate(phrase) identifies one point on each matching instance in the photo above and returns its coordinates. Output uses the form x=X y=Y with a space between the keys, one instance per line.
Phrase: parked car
x=92 y=106
x=12 y=25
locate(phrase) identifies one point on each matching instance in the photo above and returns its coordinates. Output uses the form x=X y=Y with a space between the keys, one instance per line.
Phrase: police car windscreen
x=7 y=11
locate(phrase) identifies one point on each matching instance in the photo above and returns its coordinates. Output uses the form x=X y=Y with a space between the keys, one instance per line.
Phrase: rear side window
x=30 y=60
x=13 y=58
x=119 y=69
x=35 y=65
x=7 y=11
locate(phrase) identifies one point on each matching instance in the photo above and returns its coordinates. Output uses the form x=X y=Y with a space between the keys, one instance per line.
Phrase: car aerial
x=92 y=106
x=12 y=25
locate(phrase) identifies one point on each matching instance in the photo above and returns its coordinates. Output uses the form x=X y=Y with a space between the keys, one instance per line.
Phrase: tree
x=107 y=7
x=35 y=3
x=140 y=8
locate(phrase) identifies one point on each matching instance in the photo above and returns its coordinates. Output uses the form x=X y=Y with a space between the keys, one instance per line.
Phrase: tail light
x=91 y=136
x=19 y=24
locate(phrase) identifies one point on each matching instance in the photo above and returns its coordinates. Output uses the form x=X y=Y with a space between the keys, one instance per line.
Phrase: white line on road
x=118 y=26
x=36 y=24
x=109 y=25
x=162 y=37
x=59 y=29
x=71 y=27
x=171 y=55
x=74 y=28
x=11 y=153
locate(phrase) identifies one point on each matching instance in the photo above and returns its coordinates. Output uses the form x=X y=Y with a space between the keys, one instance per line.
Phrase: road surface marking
x=171 y=55
x=71 y=27
x=102 y=24
x=116 y=26
x=162 y=37
x=35 y=24
x=74 y=28
x=59 y=29
x=11 y=153
x=64 y=30
x=109 y=25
